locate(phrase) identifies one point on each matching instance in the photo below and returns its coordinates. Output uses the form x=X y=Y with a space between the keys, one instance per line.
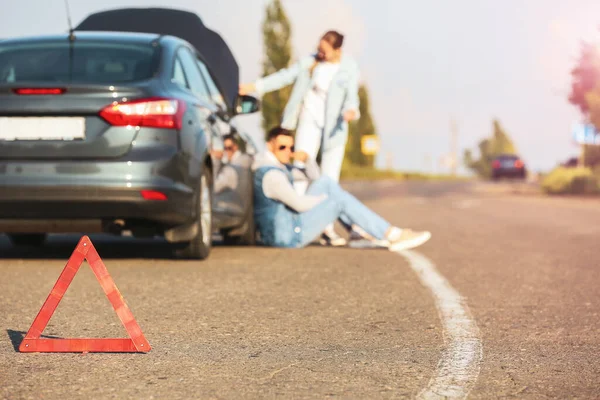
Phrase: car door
x=195 y=139
x=233 y=203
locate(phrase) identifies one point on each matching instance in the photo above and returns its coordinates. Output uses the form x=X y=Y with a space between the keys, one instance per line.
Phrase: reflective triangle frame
x=136 y=343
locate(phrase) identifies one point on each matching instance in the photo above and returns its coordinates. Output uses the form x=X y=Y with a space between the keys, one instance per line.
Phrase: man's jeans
x=339 y=204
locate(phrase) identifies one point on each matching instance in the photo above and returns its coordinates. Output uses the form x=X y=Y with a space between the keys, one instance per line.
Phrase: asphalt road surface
x=503 y=302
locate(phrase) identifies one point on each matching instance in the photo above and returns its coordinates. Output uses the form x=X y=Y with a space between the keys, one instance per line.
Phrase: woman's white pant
x=308 y=139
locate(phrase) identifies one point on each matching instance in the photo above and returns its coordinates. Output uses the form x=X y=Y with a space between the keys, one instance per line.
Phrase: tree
x=585 y=76
x=277 y=34
x=358 y=129
x=499 y=143
x=482 y=166
x=585 y=94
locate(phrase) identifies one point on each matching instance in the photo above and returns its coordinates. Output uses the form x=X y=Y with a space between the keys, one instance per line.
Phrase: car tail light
x=153 y=195
x=153 y=112
x=518 y=164
x=39 y=91
x=496 y=164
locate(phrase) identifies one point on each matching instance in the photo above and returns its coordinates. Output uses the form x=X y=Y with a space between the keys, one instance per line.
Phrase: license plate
x=42 y=128
x=508 y=164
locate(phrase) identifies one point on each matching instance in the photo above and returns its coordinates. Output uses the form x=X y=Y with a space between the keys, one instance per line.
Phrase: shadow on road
x=16 y=338
x=108 y=246
x=62 y=246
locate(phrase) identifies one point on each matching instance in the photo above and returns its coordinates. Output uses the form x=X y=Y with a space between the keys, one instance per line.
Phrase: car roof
x=88 y=36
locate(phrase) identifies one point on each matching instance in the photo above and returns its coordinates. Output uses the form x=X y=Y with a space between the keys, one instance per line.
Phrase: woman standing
x=324 y=99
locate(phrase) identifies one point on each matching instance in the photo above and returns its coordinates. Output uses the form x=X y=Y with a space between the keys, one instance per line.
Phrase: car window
x=215 y=94
x=88 y=62
x=196 y=83
x=178 y=76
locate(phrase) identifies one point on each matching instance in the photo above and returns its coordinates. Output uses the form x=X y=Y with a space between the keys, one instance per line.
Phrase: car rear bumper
x=64 y=202
x=95 y=191
x=513 y=172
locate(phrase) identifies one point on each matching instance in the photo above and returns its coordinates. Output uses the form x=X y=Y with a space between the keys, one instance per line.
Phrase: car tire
x=27 y=239
x=199 y=247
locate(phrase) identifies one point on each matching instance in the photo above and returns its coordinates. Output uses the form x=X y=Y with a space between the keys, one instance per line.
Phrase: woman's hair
x=334 y=38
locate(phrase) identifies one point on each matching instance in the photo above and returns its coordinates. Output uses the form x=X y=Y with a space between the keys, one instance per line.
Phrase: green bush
x=578 y=180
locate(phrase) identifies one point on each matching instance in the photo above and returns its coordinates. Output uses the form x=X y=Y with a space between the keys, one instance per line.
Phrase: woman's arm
x=277 y=80
x=352 y=103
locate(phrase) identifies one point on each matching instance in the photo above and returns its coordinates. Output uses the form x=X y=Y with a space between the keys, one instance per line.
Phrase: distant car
x=572 y=162
x=508 y=166
x=112 y=131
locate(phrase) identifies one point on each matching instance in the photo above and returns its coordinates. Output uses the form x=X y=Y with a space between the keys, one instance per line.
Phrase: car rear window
x=86 y=62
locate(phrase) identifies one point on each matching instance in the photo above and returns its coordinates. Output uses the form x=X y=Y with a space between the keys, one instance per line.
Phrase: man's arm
x=312 y=170
x=277 y=187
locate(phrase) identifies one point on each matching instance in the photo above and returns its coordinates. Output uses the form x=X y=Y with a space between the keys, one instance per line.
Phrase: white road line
x=420 y=200
x=459 y=366
x=465 y=203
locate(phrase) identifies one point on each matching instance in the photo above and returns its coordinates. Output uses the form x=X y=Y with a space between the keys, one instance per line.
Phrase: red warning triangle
x=136 y=343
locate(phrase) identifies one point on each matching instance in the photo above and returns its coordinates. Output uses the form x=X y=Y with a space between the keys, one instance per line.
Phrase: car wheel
x=199 y=247
x=28 y=239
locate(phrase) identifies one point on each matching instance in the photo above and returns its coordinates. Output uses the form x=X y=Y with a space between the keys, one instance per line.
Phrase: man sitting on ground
x=285 y=218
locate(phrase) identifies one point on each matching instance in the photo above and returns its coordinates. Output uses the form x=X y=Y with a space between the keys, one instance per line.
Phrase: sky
x=425 y=63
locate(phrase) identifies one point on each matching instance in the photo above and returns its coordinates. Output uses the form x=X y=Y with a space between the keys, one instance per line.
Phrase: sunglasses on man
x=285 y=147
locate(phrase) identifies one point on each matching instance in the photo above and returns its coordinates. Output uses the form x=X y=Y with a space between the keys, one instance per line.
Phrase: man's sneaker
x=332 y=239
x=361 y=239
x=408 y=239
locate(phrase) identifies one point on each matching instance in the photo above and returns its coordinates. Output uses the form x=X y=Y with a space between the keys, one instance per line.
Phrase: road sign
x=369 y=145
x=586 y=134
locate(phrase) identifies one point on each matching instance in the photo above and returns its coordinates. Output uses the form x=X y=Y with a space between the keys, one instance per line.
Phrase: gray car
x=112 y=132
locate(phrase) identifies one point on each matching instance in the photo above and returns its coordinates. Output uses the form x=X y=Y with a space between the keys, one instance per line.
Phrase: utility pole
x=427 y=163
x=389 y=161
x=453 y=146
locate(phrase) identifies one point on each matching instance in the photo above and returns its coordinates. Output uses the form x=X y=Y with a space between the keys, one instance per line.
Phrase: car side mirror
x=247 y=104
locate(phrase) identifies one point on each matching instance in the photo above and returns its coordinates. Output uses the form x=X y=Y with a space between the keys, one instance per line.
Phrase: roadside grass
x=354 y=173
